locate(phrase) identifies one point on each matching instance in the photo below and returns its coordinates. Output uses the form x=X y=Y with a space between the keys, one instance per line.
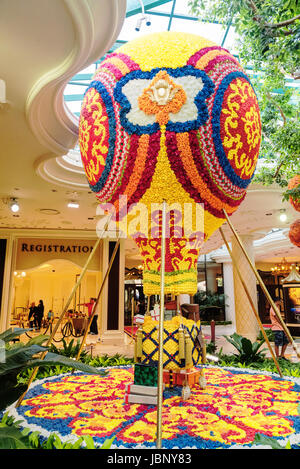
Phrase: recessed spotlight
x=282 y=216
x=73 y=204
x=14 y=206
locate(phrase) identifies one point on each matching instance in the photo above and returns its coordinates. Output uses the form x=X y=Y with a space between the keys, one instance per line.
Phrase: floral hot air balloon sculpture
x=170 y=117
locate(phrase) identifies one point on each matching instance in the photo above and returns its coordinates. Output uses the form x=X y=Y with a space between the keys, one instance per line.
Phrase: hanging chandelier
x=283 y=267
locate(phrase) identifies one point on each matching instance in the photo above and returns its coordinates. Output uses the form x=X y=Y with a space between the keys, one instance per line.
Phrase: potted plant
x=211 y=305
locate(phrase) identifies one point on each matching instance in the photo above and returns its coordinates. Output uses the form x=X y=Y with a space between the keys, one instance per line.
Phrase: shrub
x=247 y=351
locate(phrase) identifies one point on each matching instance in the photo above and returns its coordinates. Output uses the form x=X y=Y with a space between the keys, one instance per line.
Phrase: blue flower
x=216 y=124
x=100 y=88
x=201 y=87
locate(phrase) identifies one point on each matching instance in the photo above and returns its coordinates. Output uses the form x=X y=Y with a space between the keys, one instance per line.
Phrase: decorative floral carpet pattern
x=236 y=404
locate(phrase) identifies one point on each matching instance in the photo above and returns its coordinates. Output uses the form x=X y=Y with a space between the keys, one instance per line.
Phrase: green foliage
x=20 y=357
x=269 y=333
x=11 y=437
x=264 y=364
x=210 y=304
x=268 y=30
x=105 y=360
x=205 y=299
x=293 y=193
x=211 y=347
x=268 y=43
x=268 y=441
x=69 y=349
x=247 y=351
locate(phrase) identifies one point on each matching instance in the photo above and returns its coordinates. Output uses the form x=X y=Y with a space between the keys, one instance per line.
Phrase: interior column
x=229 y=292
x=246 y=323
x=112 y=303
x=8 y=255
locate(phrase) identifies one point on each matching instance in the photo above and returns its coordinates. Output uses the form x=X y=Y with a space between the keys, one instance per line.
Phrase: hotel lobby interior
x=57 y=245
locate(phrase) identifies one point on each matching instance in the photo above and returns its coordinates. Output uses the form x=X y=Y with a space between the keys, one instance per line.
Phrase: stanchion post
x=212 y=331
x=264 y=288
x=161 y=330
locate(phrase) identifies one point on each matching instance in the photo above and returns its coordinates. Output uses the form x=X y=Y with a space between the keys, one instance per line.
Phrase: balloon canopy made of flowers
x=170 y=117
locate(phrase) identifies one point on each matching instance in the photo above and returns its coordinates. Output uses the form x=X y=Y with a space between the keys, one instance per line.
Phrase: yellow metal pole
x=251 y=302
x=132 y=317
x=35 y=370
x=98 y=298
x=264 y=288
x=161 y=330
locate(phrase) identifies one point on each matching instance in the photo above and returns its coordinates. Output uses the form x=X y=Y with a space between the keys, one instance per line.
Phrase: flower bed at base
x=236 y=404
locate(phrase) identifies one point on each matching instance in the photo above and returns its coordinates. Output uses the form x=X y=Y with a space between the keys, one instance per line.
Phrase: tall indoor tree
x=268 y=46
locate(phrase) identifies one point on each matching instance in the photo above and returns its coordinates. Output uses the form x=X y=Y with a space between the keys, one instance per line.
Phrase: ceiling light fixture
x=73 y=204
x=283 y=215
x=283 y=267
x=142 y=18
x=18 y=274
x=14 y=206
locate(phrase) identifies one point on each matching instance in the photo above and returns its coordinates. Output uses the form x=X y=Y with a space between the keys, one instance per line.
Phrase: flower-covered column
x=246 y=323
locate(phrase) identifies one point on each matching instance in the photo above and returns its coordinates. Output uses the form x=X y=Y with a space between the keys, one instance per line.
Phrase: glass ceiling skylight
x=165 y=15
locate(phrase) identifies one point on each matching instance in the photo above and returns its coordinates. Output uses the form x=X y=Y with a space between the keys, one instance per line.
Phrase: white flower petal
x=188 y=112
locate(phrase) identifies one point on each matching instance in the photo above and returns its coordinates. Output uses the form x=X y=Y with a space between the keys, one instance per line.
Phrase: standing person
x=90 y=306
x=50 y=317
x=280 y=337
x=40 y=314
x=31 y=315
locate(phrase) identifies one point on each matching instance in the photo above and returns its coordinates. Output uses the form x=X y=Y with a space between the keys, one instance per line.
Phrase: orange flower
x=162 y=97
